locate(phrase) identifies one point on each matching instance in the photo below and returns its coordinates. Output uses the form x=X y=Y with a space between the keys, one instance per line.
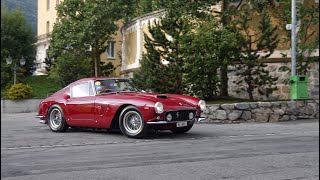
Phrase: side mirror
x=67 y=96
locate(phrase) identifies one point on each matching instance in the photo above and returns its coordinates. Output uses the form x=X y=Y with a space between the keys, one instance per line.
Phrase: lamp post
x=22 y=63
x=293 y=37
x=293 y=28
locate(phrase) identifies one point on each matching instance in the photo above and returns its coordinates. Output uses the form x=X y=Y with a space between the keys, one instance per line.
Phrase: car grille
x=181 y=115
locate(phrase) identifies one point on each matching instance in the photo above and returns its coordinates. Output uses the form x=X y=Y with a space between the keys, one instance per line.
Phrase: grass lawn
x=41 y=86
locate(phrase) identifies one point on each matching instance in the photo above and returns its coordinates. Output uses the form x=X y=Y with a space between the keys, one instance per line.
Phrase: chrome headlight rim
x=202 y=104
x=158 y=107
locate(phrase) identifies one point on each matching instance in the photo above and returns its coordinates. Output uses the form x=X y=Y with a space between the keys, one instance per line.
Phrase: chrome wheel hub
x=55 y=118
x=132 y=122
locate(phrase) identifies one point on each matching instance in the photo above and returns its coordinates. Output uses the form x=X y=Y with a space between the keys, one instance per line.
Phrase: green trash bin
x=298 y=87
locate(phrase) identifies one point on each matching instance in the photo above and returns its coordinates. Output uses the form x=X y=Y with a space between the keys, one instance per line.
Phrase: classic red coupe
x=114 y=103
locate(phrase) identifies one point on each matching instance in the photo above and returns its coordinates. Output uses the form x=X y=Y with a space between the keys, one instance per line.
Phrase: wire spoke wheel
x=132 y=122
x=57 y=122
x=55 y=118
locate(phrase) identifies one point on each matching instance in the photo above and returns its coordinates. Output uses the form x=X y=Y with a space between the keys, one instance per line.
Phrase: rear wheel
x=56 y=119
x=181 y=130
x=131 y=123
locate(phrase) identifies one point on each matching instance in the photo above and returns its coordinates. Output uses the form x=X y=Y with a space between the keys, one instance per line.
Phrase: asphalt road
x=266 y=151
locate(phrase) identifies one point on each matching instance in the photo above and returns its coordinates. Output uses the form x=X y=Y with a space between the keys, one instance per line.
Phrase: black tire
x=56 y=119
x=181 y=130
x=131 y=123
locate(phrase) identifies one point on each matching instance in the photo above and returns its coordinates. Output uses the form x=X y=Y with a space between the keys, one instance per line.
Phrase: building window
x=57 y=2
x=316 y=1
x=57 y=20
x=48 y=5
x=48 y=27
x=110 y=50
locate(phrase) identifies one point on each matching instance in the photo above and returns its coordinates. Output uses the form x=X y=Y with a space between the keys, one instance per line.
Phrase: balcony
x=42 y=38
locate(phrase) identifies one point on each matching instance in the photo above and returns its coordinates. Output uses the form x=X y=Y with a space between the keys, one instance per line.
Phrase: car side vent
x=162 y=96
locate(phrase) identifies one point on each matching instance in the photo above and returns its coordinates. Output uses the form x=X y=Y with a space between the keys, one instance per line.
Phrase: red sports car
x=114 y=103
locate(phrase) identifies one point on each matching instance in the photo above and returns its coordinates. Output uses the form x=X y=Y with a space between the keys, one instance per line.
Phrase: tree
x=16 y=40
x=256 y=45
x=307 y=31
x=85 y=25
x=69 y=67
x=162 y=66
x=207 y=50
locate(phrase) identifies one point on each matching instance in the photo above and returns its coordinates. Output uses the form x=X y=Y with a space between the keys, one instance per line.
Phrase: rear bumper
x=42 y=120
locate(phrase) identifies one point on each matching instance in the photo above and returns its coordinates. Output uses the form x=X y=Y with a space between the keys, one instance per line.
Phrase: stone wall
x=261 y=111
x=283 y=91
x=21 y=106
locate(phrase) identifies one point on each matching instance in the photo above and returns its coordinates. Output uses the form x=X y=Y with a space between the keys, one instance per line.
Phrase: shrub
x=19 y=91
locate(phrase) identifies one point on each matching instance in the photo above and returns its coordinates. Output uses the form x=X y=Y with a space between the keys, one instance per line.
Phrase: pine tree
x=264 y=40
x=162 y=66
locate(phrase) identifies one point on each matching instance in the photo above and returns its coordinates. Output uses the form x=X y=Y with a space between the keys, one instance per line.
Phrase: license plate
x=182 y=124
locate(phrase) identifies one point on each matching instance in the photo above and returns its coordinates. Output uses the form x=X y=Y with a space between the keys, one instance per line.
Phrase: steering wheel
x=108 y=90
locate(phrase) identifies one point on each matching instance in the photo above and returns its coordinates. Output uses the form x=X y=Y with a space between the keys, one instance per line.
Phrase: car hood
x=170 y=102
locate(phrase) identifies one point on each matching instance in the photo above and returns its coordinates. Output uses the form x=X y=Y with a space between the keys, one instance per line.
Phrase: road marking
x=59 y=145
x=26 y=147
x=272 y=134
x=232 y=136
x=46 y=146
x=249 y=135
x=150 y=140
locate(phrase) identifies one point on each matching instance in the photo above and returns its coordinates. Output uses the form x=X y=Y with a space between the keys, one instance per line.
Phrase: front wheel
x=57 y=121
x=131 y=123
x=181 y=130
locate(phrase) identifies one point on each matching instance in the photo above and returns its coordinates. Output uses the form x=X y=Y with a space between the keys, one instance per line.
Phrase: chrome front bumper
x=200 y=119
x=171 y=122
x=164 y=122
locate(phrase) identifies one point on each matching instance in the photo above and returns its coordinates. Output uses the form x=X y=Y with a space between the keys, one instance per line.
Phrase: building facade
x=47 y=17
x=127 y=48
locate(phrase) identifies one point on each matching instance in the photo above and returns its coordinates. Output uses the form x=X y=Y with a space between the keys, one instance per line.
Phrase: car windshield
x=113 y=86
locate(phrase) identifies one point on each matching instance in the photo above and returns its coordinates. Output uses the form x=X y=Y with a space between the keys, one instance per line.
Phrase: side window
x=80 y=90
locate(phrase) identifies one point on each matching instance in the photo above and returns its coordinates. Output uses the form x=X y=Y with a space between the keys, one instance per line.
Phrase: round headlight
x=158 y=107
x=169 y=117
x=202 y=104
x=191 y=115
